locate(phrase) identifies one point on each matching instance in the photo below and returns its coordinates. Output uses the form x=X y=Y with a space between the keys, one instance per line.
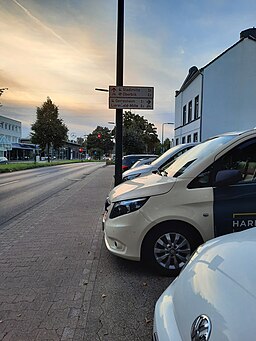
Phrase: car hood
x=145 y=186
x=219 y=282
x=140 y=169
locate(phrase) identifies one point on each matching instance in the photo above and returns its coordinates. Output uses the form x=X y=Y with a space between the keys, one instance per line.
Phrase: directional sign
x=131 y=97
x=131 y=91
x=131 y=103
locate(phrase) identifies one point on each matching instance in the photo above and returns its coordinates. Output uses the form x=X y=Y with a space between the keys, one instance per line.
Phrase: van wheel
x=168 y=248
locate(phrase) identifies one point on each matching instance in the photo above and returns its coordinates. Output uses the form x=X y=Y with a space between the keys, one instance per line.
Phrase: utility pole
x=119 y=82
x=163 y=124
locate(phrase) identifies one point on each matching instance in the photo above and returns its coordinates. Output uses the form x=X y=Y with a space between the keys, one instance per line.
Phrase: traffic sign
x=131 y=97
x=130 y=103
x=131 y=91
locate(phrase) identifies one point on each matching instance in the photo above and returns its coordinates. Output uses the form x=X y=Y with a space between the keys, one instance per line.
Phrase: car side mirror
x=227 y=177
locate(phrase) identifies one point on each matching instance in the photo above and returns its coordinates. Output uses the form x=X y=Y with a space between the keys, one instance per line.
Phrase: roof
x=194 y=71
x=24 y=146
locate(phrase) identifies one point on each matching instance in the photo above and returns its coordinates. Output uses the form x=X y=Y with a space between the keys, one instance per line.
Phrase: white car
x=214 y=297
x=3 y=160
x=142 y=162
x=208 y=191
x=158 y=164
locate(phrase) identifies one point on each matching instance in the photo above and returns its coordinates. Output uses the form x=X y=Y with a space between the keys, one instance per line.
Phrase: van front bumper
x=124 y=234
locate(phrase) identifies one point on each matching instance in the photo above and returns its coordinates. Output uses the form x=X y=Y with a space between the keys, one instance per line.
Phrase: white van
x=208 y=191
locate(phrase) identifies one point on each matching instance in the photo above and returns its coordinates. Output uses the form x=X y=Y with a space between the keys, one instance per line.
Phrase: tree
x=100 y=142
x=166 y=145
x=48 y=129
x=139 y=136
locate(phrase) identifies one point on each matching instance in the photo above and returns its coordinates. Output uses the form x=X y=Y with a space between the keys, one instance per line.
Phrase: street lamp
x=163 y=124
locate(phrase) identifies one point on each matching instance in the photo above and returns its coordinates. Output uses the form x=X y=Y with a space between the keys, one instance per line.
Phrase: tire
x=168 y=247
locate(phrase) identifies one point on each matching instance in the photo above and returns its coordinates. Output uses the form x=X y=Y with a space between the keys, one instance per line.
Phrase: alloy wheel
x=172 y=251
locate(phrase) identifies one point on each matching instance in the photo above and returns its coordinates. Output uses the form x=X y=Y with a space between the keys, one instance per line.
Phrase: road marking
x=8 y=183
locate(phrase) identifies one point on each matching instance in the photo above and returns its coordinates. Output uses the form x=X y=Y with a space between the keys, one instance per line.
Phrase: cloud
x=38 y=22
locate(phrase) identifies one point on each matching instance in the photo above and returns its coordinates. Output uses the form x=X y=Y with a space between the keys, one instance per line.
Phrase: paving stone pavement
x=48 y=263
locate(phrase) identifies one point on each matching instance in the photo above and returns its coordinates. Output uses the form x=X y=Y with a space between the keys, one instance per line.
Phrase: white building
x=221 y=96
x=10 y=132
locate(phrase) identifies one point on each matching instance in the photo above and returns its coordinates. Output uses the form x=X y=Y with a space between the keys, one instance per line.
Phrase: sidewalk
x=48 y=263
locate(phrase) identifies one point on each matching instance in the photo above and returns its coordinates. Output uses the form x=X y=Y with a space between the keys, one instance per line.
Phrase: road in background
x=19 y=191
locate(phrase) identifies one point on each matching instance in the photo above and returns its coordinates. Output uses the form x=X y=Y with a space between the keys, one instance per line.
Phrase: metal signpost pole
x=119 y=82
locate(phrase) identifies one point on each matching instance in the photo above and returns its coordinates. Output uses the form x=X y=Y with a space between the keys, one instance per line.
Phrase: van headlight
x=126 y=206
x=130 y=177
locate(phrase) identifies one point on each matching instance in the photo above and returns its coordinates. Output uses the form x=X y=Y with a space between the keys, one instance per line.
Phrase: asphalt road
x=20 y=191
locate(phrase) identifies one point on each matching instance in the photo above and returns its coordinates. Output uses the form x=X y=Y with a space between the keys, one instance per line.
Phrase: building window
x=188 y=138
x=177 y=142
x=184 y=117
x=183 y=139
x=190 y=111
x=196 y=108
x=195 y=137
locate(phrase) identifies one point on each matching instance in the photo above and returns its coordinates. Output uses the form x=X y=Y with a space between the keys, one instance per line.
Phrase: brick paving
x=48 y=263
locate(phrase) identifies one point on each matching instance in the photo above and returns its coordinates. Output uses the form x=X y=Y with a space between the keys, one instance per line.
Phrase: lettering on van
x=243 y=221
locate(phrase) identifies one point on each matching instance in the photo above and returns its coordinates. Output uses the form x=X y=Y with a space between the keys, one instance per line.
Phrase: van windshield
x=198 y=152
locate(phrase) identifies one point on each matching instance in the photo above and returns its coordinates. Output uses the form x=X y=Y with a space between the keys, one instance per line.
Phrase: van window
x=200 y=151
x=242 y=158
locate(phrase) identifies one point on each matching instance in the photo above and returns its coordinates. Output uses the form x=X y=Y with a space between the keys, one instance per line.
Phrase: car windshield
x=163 y=156
x=198 y=152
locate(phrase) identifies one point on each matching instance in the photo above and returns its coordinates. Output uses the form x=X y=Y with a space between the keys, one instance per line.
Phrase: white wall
x=189 y=94
x=229 y=96
x=10 y=128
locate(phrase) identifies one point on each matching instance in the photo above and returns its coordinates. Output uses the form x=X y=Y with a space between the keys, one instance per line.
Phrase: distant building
x=16 y=148
x=10 y=132
x=219 y=97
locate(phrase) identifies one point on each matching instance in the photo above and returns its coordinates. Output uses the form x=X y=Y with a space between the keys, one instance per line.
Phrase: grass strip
x=18 y=166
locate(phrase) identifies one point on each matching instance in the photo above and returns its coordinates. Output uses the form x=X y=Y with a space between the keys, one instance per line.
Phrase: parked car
x=214 y=297
x=208 y=191
x=3 y=160
x=129 y=160
x=142 y=162
x=158 y=164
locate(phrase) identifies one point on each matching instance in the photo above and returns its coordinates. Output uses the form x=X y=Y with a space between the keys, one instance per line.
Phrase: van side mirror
x=227 y=177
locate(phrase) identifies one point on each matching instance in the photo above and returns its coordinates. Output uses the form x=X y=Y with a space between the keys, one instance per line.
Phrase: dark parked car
x=129 y=160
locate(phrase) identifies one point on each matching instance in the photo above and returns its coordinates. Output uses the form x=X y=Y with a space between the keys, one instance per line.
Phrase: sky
x=64 y=49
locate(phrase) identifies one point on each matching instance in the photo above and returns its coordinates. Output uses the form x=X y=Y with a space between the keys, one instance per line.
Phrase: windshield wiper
x=161 y=172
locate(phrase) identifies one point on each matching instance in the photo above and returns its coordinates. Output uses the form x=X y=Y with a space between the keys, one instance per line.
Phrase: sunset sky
x=65 y=49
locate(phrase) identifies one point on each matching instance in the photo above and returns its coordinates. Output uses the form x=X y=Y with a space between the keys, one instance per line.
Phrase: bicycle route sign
x=131 y=97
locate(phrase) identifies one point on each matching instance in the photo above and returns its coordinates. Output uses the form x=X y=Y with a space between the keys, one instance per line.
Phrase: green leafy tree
x=48 y=129
x=166 y=145
x=139 y=136
x=100 y=142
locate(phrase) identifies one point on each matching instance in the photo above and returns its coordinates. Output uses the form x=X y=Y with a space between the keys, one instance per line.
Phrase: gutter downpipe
x=201 y=109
